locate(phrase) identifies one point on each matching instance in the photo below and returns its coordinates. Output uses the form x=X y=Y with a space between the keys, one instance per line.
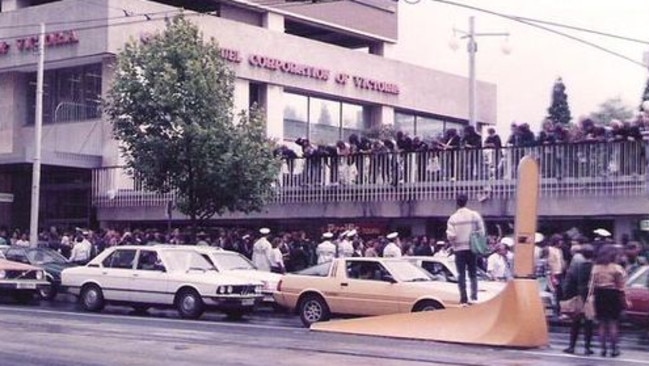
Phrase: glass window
x=295 y=116
x=404 y=123
x=353 y=121
x=121 y=258
x=69 y=94
x=325 y=121
x=149 y=261
x=428 y=128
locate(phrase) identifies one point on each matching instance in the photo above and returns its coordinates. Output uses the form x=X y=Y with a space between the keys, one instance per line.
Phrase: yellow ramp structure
x=514 y=318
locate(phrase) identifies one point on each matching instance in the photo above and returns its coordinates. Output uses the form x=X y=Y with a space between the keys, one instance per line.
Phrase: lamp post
x=472 y=48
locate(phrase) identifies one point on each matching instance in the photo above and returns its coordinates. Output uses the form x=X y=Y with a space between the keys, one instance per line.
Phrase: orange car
x=363 y=286
x=21 y=281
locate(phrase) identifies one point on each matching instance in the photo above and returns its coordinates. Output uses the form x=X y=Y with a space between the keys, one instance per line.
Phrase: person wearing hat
x=392 y=249
x=326 y=251
x=262 y=251
x=557 y=268
x=345 y=247
x=81 y=250
x=459 y=228
x=498 y=266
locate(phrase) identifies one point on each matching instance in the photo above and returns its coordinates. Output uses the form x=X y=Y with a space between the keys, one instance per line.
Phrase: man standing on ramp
x=458 y=231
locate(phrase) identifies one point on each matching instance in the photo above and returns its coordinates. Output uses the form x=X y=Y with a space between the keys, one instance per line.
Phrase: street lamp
x=472 y=48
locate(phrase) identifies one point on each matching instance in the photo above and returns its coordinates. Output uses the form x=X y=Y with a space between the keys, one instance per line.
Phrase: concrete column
x=274 y=22
x=384 y=49
x=13 y=109
x=274 y=106
x=623 y=225
x=381 y=115
x=241 y=95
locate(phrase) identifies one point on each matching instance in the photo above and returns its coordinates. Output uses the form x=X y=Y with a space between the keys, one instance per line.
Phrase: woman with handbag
x=608 y=279
x=576 y=288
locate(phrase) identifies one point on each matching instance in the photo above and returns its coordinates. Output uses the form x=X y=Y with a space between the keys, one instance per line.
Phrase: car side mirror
x=159 y=268
x=388 y=278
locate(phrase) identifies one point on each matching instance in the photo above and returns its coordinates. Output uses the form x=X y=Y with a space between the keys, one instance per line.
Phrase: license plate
x=247 y=302
x=29 y=286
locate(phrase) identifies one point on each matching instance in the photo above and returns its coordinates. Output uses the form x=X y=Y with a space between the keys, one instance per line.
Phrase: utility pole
x=38 y=132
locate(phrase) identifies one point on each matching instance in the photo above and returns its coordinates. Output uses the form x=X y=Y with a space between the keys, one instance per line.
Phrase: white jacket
x=460 y=226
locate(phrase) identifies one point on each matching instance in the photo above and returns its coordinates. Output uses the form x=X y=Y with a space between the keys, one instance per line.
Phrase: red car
x=637 y=295
x=21 y=281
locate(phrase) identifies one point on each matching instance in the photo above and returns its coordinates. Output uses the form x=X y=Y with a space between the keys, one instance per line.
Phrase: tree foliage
x=559 y=110
x=171 y=106
x=611 y=109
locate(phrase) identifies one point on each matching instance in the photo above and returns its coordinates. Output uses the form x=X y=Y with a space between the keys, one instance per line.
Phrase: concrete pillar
x=241 y=96
x=623 y=225
x=381 y=115
x=383 y=49
x=13 y=109
x=273 y=21
x=274 y=107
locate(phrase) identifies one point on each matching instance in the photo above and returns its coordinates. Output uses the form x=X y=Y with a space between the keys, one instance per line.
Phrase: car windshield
x=230 y=261
x=320 y=270
x=45 y=256
x=403 y=270
x=185 y=260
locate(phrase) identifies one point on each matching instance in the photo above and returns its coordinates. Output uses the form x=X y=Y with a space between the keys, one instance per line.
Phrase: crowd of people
x=583 y=149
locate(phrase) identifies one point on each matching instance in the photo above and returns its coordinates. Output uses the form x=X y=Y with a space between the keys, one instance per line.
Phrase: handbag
x=478 y=242
x=572 y=306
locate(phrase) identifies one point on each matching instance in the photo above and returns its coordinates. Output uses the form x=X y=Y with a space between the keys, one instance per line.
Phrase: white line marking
x=153 y=319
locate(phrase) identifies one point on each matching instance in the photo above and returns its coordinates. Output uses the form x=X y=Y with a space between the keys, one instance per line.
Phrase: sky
x=525 y=76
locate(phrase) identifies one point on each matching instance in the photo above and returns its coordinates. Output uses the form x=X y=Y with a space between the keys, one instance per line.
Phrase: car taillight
x=279 y=286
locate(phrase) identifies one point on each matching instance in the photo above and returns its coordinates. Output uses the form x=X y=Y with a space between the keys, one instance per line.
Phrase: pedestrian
x=277 y=258
x=82 y=250
x=345 y=247
x=326 y=251
x=370 y=251
x=498 y=266
x=459 y=228
x=392 y=249
x=556 y=266
x=576 y=283
x=23 y=241
x=608 y=279
x=261 y=251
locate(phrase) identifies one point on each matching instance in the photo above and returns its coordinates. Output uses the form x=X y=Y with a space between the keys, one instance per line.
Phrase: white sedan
x=235 y=264
x=145 y=276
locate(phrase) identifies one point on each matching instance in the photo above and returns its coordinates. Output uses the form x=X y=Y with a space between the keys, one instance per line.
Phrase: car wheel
x=48 y=293
x=189 y=304
x=23 y=297
x=92 y=298
x=313 y=309
x=427 y=305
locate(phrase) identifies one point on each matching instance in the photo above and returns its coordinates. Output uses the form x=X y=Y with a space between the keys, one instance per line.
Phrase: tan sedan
x=363 y=286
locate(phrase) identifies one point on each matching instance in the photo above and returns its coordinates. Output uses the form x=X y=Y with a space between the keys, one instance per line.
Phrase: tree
x=645 y=98
x=611 y=109
x=559 y=110
x=171 y=106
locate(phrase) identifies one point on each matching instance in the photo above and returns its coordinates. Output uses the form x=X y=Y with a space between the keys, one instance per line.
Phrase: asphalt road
x=58 y=333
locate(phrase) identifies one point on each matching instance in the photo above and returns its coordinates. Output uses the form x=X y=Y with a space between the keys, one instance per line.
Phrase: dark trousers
x=466 y=260
x=575 y=326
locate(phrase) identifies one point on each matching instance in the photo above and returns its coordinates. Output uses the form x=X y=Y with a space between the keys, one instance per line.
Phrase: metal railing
x=569 y=170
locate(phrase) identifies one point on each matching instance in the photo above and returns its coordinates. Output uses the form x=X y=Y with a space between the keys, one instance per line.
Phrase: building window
x=425 y=127
x=69 y=94
x=322 y=121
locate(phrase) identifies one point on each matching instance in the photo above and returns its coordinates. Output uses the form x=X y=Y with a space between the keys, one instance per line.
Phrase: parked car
x=150 y=276
x=363 y=286
x=21 y=281
x=49 y=260
x=445 y=268
x=235 y=264
x=637 y=295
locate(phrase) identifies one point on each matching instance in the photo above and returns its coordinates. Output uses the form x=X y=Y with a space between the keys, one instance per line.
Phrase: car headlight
x=228 y=290
x=266 y=285
x=3 y=274
x=258 y=289
x=219 y=290
x=39 y=275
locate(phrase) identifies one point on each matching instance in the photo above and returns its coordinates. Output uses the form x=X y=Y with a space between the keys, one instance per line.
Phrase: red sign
x=51 y=40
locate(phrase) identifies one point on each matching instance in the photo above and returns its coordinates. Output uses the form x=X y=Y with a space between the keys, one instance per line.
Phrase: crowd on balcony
x=586 y=149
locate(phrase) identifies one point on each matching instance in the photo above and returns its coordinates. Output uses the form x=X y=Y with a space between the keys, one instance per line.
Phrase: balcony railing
x=569 y=170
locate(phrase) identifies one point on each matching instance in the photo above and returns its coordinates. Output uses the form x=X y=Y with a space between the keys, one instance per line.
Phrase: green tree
x=559 y=110
x=611 y=109
x=645 y=97
x=171 y=107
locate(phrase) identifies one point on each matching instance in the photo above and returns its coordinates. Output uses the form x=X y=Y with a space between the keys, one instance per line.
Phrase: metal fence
x=569 y=170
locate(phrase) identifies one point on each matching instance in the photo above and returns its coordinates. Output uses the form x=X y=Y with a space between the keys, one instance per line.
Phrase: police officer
x=392 y=249
x=326 y=251
x=261 y=251
x=345 y=247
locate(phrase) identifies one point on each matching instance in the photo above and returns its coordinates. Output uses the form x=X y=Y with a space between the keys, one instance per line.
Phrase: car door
x=366 y=290
x=116 y=273
x=637 y=294
x=150 y=279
